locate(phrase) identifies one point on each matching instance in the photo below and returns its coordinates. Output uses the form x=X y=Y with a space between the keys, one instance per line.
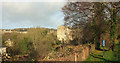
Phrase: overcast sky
x=32 y=14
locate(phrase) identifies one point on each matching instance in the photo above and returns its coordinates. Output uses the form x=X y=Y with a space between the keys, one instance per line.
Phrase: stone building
x=2 y=50
x=9 y=43
x=64 y=34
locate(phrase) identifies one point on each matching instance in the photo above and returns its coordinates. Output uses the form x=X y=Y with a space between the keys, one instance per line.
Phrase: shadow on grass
x=101 y=57
x=102 y=50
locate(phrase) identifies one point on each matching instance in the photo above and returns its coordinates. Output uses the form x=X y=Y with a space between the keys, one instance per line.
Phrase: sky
x=32 y=14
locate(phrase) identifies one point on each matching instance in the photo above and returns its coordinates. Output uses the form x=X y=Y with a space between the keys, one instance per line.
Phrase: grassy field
x=108 y=55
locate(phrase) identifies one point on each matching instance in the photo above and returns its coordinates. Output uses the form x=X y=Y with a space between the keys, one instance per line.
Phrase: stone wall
x=81 y=56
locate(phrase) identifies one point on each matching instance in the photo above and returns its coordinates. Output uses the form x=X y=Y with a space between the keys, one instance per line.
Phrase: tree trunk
x=113 y=30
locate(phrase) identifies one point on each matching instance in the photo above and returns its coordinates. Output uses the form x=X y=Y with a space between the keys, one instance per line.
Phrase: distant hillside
x=23 y=30
x=36 y=42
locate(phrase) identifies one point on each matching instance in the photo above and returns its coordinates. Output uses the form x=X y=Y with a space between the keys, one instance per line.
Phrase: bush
x=23 y=46
x=59 y=42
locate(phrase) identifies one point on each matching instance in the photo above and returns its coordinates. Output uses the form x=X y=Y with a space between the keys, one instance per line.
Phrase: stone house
x=9 y=43
x=2 y=50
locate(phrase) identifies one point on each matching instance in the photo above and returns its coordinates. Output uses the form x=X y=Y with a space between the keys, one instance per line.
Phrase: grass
x=108 y=55
x=118 y=42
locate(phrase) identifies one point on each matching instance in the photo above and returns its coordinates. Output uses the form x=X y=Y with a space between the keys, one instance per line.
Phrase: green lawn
x=109 y=55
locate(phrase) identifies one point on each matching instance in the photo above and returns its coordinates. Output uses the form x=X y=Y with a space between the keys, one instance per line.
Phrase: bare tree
x=77 y=14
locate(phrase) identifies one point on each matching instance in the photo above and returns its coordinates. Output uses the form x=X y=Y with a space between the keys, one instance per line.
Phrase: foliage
x=23 y=46
x=113 y=34
x=91 y=20
x=37 y=42
x=59 y=42
x=42 y=40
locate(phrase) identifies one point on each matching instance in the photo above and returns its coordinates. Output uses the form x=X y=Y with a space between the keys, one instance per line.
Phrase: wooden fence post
x=75 y=57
